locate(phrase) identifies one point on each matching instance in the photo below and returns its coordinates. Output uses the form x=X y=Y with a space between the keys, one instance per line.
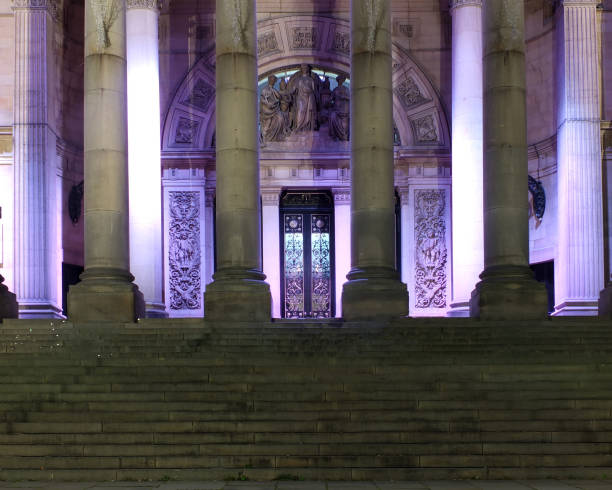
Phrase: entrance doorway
x=307 y=259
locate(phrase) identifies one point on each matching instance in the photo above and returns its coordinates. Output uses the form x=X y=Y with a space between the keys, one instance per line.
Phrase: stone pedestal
x=507 y=289
x=8 y=302
x=146 y=262
x=37 y=227
x=579 y=266
x=467 y=136
x=373 y=290
x=106 y=292
x=238 y=291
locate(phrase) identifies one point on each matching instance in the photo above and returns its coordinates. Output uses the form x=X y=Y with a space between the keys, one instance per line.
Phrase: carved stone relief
x=304 y=37
x=267 y=44
x=342 y=42
x=304 y=104
x=425 y=130
x=410 y=93
x=184 y=250
x=201 y=96
x=431 y=254
x=186 y=131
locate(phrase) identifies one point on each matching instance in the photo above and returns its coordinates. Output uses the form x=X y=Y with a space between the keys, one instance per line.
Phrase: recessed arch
x=317 y=40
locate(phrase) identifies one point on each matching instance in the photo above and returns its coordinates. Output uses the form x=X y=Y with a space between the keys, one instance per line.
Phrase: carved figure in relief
x=325 y=95
x=273 y=120
x=304 y=86
x=339 y=115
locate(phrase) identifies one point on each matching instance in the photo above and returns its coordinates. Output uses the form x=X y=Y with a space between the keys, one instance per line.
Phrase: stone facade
x=316 y=157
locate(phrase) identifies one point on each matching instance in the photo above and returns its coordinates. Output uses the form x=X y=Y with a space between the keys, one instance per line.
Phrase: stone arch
x=325 y=41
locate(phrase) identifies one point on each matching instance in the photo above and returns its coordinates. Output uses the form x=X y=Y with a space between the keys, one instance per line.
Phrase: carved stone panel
x=341 y=41
x=184 y=252
x=200 y=96
x=186 y=131
x=425 y=130
x=267 y=44
x=431 y=254
x=410 y=93
x=304 y=37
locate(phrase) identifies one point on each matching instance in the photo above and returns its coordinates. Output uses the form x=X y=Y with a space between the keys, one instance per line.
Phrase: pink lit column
x=106 y=291
x=579 y=267
x=37 y=232
x=373 y=290
x=468 y=247
x=238 y=291
x=507 y=289
x=144 y=152
x=342 y=240
x=271 y=240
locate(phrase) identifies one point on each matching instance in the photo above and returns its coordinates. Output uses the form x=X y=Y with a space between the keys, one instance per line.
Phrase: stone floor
x=314 y=485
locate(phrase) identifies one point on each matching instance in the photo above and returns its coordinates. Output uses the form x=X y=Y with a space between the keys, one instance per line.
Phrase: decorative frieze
x=267 y=44
x=304 y=37
x=453 y=4
x=431 y=254
x=184 y=252
x=341 y=42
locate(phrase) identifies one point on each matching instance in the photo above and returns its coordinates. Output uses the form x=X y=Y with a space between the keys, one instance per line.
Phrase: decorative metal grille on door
x=307 y=286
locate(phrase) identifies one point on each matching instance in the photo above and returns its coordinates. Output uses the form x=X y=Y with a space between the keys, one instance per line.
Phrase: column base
x=8 y=302
x=459 y=310
x=509 y=293
x=105 y=295
x=238 y=295
x=155 y=310
x=605 y=302
x=577 y=308
x=374 y=294
x=33 y=310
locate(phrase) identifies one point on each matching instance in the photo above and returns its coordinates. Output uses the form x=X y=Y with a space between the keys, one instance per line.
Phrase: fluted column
x=37 y=236
x=342 y=240
x=468 y=253
x=146 y=259
x=373 y=289
x=238 y=291
x=507 y=289
x=106 y=292
x=579 y=268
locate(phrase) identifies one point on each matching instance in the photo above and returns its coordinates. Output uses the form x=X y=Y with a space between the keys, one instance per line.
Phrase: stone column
x=8 y=302
x=238 y=291
x=106 y=292
x=467 y=116
x=373 y=289
x=507 y=289
x=144 y=152
x=579 y=267
x=37 y=237
x=407 y=235
x=271 y=240
x=342 y=240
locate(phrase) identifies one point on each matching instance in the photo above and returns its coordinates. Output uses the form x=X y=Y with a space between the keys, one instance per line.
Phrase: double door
x=307 y=262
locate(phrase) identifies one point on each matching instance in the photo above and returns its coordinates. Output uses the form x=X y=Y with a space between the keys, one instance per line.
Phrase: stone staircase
x=412 y=399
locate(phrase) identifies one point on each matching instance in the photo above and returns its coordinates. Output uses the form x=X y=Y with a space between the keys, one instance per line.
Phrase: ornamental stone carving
x=453 y=4
x=51 y=6
x=105 y=13
x=425 y=130
x=267 y=44
x=431 y=254
x=304 y=37
x=143 y=4
x=304 y=104
x=342 y=42
x=184 y=250
x=186 y=131
x=200 y=96
x=410 y=93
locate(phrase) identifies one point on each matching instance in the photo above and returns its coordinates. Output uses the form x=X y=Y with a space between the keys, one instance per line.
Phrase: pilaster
x=342 y=240
x=37 y=239
x=270 y=197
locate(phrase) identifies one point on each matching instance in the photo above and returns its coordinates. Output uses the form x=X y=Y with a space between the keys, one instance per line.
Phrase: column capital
x=144 y=4
x=50 y=6
x=404 y=194
x=342 y=195
x=579 y=3
x=455 y=4
x=270 y=197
